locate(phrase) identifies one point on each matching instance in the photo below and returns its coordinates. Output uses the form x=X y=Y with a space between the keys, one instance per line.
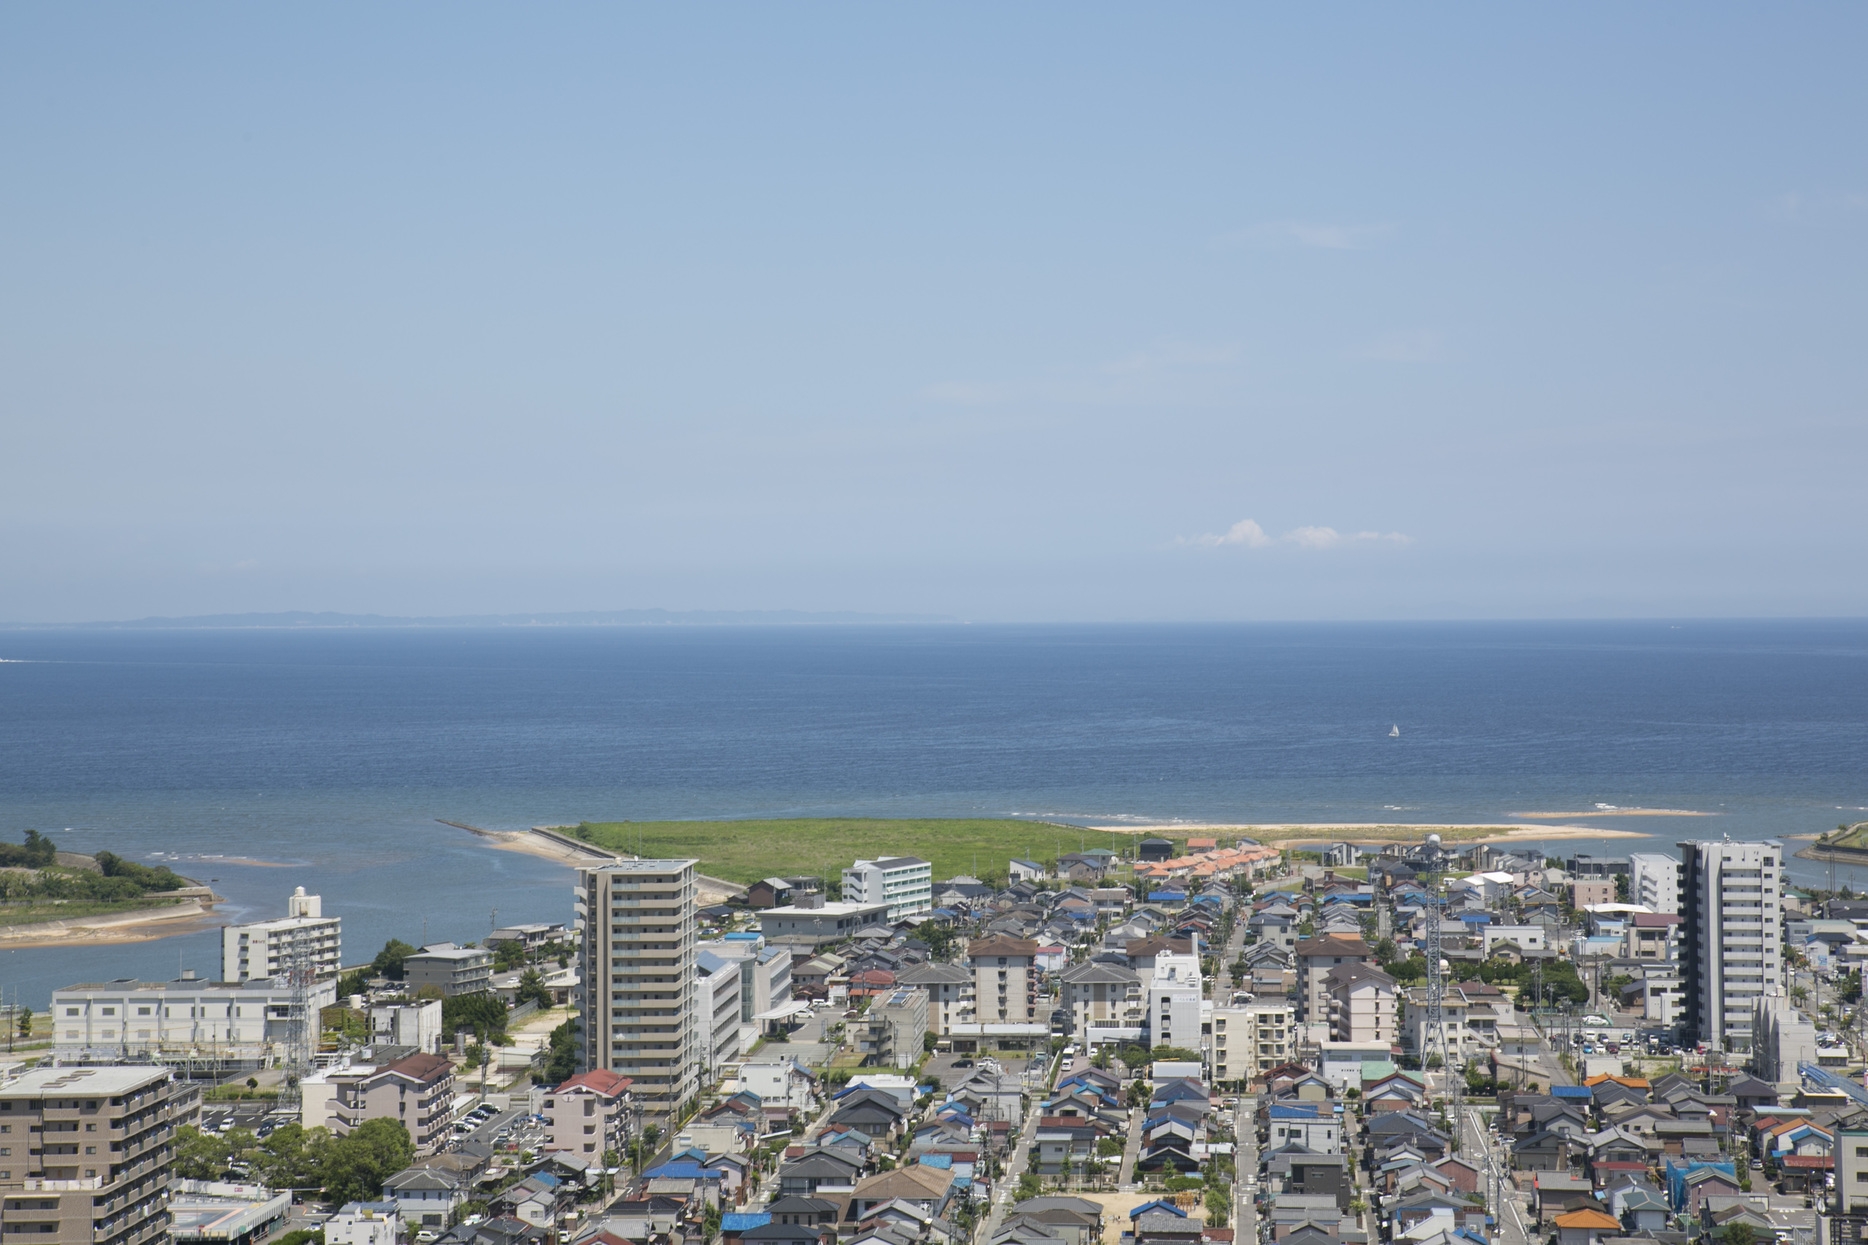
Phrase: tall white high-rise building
x=1654 y=880
x=904 y=883
x=637 y=1000
x=1731 y=938
x=265 y=949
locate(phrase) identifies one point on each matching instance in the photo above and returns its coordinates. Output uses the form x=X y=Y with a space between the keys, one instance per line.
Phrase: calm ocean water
x=330 y=753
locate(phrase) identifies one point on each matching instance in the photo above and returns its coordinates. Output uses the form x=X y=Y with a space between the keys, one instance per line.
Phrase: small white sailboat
x=1394 y=732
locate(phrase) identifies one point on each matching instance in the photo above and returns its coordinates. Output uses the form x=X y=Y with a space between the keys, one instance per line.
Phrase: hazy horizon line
x=333 y=620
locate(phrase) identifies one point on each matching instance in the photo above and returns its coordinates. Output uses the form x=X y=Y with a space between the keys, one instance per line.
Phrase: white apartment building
x=416 y=1024
x=717 y=1008
x=1250 y=1040
x=904 y=883
x=764 y=972
x=1654 y=881
x=1174 y=1001
x=246 y=1021
x=270 y=948
x=1731 y=943
x=1782 y=1037
x=637 y=993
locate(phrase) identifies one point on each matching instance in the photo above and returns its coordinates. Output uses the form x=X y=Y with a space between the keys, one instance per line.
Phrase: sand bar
x=143 y=925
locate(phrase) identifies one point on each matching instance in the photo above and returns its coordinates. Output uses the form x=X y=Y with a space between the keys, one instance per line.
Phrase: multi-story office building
x=248 y=1022
x=304 y=935
x=637 y=998
x=86 y=1154
x=1731 y=944
x=1251 y=1040
x=904 y=883
x=1654 y=880
x=717 y=1007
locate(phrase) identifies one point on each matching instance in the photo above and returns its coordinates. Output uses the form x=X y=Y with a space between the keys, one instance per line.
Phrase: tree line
x=348 y=1169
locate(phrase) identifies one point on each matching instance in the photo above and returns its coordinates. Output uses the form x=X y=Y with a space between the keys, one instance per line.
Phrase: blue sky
x=1005 y=312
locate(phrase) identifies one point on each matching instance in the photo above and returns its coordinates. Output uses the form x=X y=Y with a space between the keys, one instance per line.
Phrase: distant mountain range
x=310 y=620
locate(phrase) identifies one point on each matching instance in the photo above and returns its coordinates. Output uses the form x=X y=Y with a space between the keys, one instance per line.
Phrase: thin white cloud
x=1312 y=234
x=1248 y=534
x=1244 y=532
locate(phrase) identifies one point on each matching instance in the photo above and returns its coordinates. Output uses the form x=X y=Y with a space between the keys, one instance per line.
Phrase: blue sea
x=329 y=754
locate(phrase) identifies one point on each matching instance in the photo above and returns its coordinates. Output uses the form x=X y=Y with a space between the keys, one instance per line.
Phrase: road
x=1476 y=1143
x=1245 y=1171
x=1008 y=1184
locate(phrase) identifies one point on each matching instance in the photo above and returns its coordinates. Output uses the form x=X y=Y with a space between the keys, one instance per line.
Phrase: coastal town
x=1203 y=1040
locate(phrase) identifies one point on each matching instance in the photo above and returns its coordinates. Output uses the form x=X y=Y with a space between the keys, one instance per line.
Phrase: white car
x=1595 y=1020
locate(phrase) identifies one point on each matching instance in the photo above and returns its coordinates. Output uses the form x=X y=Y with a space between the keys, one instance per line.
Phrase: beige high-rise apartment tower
x=637 y=1000
x=86 y=1154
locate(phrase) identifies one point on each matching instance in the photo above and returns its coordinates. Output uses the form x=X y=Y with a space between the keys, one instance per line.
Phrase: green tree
x=292 y=1157
x=1737 y=1234
x=483 y=1013
x=199 y=1155
x=389 y=961
x=532 y=988
x=25 y=1021
x=561 y=1056
x=1218 y=1206
x=353 y=983
x=355 y=1167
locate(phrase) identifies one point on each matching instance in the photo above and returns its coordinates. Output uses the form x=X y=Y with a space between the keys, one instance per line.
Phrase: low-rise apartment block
x=86 y=1154
x=416 y=1090
x=455 y=970
x=1251 y=1040
x=589 y=1114
x=904 y=883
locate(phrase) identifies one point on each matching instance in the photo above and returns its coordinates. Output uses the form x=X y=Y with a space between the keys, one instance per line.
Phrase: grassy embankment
x=745 y=851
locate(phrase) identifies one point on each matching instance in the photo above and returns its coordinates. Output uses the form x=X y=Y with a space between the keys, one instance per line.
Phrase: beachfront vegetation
x=745 y=851
x=36 y=887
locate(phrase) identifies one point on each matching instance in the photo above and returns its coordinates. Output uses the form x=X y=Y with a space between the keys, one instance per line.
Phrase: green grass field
x=1856 y=836
x=745 y=851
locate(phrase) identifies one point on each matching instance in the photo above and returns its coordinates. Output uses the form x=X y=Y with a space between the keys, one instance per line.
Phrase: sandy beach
x=1321 y=834
x=549 y=844
x=144 y=925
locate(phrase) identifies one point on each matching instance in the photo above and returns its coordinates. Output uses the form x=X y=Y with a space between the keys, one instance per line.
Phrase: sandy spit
x=145 y=925
x=536 y=842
